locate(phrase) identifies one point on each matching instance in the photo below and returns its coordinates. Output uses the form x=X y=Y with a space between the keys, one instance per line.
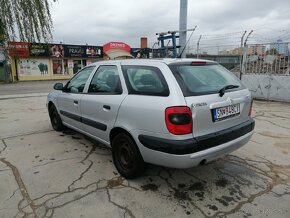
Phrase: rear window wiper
x=223 y=90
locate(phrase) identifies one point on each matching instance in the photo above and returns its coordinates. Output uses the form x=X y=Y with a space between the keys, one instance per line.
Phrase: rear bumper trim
x=192 y=145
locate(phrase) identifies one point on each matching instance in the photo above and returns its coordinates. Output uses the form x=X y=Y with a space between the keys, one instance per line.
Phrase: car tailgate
x=212 y=113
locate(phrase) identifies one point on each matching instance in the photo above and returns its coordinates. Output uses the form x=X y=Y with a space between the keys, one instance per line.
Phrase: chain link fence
x=266 y=71
x=271 y=58
x=263 y=68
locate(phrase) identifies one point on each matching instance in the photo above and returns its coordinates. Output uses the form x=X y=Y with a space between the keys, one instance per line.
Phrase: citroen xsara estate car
x=176 y=113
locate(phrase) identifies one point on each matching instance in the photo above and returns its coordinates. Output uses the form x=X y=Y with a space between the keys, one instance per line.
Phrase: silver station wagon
x=175 y=113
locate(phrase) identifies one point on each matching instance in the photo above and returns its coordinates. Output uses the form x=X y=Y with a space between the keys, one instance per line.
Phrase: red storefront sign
x=116 y=45
x=18 y=49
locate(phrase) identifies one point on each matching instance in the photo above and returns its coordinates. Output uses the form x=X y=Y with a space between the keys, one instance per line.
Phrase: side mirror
x=58 y=86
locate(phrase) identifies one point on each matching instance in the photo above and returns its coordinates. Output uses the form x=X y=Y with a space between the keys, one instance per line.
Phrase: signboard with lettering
x=74 y=51
x=56 y=50
x=116 y=45
x=24 y=49
x=38 y=49
x=18 y=49
x=94 y=51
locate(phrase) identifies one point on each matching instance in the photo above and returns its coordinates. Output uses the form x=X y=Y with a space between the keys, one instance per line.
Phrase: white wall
x=268 y=87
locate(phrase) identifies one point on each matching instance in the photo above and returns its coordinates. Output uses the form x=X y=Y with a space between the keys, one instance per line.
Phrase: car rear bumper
x=190 y=152
x=197 y=144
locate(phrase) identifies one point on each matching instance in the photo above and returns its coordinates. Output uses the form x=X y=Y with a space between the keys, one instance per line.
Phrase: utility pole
x=245 y=53
x=242 y=52
x=182 y=26
x=245 y=43
x=242 y=39
x=197 y=46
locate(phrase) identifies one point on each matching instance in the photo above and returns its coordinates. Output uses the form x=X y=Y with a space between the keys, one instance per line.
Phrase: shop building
x=40 y=61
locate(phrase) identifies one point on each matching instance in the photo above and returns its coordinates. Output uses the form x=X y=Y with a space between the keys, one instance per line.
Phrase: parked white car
x=176 y=113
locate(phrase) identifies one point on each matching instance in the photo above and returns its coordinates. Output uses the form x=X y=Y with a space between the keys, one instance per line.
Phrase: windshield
x=203 y=79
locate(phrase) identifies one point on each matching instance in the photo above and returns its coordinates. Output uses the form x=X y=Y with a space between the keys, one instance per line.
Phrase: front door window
x=106 y=80
x=78 y=82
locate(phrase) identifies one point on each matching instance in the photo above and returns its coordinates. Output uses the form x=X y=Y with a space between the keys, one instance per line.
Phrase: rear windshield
x=203 y=79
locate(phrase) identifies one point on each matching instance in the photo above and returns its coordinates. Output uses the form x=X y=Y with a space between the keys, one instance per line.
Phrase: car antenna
x=179 y=56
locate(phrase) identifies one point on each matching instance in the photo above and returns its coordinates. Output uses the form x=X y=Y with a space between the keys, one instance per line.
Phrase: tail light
x=251 y=108
x=178 y=120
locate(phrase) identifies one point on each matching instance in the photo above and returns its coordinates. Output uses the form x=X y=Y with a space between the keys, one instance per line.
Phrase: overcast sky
x=220 y=21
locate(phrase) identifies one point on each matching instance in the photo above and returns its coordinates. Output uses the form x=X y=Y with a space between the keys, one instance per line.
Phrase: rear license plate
x=226 y=112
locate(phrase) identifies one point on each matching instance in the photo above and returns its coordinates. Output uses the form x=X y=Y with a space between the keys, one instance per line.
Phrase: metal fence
x=263 y=68
x=266 y=71
x=265 y=59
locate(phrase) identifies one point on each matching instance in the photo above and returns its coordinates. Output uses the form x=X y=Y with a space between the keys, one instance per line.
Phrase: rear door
x=101 y=103
x=217 y=98
x=69 y=100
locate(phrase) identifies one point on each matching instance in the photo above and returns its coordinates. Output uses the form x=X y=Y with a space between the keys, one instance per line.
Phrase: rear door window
x=145 y=80
x=203 y=79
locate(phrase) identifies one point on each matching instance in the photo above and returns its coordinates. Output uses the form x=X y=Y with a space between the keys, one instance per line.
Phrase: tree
x=26 y=20
x=29 y=19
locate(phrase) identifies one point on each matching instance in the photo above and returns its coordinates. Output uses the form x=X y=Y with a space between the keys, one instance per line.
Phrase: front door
x=69 y=100
x=101 y=103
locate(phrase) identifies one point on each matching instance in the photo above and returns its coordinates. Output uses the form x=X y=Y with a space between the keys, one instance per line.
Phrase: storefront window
x=78 y=64
x=65 y=67
x=33 y=67
x=59 y=67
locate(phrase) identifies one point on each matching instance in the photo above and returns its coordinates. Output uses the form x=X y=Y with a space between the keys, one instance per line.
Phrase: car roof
x=150 y=61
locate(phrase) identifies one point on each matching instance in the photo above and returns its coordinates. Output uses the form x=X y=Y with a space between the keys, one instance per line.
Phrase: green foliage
x=30 y=20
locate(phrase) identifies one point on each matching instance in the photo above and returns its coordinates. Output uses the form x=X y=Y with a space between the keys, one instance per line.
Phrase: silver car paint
x=140 y=114
x=65 y=102
x=92 y=108
x=202 y=119
x=188 y=160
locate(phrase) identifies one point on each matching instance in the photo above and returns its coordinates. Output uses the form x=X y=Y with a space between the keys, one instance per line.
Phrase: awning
x=118 y=53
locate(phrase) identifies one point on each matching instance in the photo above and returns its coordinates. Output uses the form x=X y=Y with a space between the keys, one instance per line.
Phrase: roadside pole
x=245 y=54
x=197 y=46
x=182 y=26
x=242 y=54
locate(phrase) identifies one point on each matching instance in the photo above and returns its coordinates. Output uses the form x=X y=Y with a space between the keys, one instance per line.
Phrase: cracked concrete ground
x=44 y=173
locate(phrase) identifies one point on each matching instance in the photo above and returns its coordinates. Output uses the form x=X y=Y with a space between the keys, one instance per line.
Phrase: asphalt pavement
x=44 y=173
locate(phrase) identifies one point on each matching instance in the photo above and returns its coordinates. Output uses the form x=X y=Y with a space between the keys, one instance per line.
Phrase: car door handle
x=107 y=107
x=76 y=102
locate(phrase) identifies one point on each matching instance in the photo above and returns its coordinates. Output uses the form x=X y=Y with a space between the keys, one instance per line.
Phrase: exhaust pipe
x=203 y=162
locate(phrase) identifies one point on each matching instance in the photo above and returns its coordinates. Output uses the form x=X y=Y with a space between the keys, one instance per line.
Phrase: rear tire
x=126 y=156
x=55 y=119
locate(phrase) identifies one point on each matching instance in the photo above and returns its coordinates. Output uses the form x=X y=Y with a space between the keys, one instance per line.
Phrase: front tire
x=126 y=156
x=55 y=119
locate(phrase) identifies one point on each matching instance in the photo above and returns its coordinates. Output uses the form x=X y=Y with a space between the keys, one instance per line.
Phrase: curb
x=5 y=97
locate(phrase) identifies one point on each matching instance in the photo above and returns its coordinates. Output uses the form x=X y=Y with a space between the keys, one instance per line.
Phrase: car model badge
x=201 y=104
